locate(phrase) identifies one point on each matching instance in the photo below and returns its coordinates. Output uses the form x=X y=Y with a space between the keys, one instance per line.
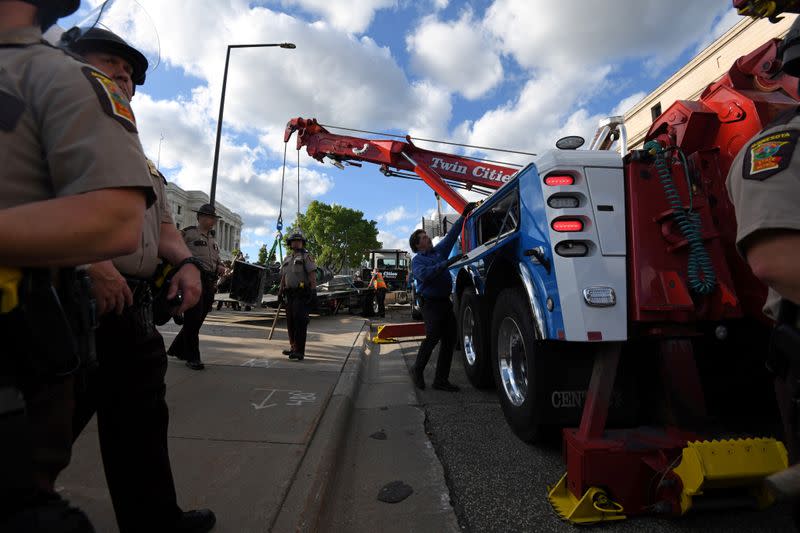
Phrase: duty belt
x=51 y=315
x=140 y=313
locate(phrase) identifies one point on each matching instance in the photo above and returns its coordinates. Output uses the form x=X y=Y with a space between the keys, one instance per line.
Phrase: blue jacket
x=430 y=268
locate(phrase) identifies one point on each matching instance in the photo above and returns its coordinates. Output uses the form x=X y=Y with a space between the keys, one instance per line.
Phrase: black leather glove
x=467 y=208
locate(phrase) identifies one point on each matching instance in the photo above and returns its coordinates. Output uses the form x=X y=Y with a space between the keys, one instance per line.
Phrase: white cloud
x=396 y=215
x=245 y=183
x=440 y=4
x=571 y=53
x=547 y=108
x=458 y=55
x=331 y=75
x=571 y=33
x=392 y=240
x=628 y=102
x=352 y=16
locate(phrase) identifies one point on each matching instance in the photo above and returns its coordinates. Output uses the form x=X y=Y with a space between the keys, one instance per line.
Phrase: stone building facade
x=228 y=229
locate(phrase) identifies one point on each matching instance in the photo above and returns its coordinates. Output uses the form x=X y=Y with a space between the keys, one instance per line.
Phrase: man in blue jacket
x=434 y=285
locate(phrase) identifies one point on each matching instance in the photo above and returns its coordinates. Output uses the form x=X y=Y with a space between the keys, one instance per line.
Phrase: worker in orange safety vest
x=377 y=283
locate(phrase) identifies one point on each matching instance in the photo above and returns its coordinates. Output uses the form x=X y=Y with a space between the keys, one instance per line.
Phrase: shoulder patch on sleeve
x=112 y=99
x=769 y=155
x=11 y=109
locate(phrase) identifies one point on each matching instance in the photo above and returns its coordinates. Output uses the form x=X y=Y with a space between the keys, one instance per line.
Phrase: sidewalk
x=248 y=430
x=387 y=442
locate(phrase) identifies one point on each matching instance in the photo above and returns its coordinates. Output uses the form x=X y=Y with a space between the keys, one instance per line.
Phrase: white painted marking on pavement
x=296 y=398
x=258 y=363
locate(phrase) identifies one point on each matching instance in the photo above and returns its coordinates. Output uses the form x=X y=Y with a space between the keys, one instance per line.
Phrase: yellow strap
x=9 y=288
x=162 y=275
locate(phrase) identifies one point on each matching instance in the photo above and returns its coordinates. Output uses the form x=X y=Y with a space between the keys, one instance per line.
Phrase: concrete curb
x=301 y=509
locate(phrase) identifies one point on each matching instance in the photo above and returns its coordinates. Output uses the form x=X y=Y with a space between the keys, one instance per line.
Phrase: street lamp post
x=213 y=191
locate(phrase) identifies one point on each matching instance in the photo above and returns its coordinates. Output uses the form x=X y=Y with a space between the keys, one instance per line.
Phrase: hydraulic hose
x=702 y=278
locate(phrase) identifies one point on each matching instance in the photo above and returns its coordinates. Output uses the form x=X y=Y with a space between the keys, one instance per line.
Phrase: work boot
x=195 y=365
x=296 y=356
x=417 y=378
x=445 y=386
x=288 y=352
x=199 y=521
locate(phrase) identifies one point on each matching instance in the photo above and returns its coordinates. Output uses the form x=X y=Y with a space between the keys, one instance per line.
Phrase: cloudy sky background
x=514 y=74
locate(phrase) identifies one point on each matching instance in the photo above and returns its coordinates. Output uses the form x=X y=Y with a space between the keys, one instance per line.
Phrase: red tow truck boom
x=435 y=168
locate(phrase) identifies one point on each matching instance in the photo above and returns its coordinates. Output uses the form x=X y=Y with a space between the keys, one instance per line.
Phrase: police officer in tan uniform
x=764 y=186
x=73 y=190
x=127 y=389
x=203 y=246
x=298 y=286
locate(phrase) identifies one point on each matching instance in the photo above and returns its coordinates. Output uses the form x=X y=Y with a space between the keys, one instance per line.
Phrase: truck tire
x=515 y=357
x=475 y=354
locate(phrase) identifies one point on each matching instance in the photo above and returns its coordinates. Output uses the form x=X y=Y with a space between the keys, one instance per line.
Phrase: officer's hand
x=109 y=288
x=187 y=280
x=468 y=208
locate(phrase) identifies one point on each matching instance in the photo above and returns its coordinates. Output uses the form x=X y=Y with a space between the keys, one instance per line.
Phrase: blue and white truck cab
x=544 y=280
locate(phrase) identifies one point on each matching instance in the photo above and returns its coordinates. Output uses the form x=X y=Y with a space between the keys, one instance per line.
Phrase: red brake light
x=559 y=181
x=570 y=225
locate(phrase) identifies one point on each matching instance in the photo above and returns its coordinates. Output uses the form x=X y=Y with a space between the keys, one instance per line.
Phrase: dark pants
x=440 y=326
x=127 y=390
x=380 y=297
x=186 y=344
x=297 y=303
x=785 y=389
x=35 y=440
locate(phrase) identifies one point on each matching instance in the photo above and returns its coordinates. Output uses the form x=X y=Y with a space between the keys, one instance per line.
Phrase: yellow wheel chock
x=593 y=507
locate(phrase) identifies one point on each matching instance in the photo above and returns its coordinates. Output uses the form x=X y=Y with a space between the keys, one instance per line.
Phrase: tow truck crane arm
x=433 y=167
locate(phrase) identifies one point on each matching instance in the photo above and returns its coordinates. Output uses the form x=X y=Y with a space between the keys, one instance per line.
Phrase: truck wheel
x=515 y=354
x=476 y=357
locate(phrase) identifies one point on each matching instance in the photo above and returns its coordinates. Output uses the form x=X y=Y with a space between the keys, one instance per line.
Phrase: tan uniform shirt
x=296 y=268
x=144 y=261
x=203 y=246
x=61 y=132
x=764 y=186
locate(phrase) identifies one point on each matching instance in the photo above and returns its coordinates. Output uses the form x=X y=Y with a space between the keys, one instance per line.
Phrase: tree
x=262 y=255
x=337 y=236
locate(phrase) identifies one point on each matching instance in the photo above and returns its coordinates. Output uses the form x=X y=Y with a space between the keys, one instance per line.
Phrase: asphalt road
x=498 y=483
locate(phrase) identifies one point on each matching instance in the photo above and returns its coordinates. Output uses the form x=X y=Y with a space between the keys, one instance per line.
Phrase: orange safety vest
x=377 y=281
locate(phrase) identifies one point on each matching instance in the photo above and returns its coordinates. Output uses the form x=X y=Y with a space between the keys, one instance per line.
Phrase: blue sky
x=506 y=73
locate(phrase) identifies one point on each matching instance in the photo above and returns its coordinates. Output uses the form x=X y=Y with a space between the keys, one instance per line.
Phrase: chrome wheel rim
x=511 y=357
x=467 y=327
